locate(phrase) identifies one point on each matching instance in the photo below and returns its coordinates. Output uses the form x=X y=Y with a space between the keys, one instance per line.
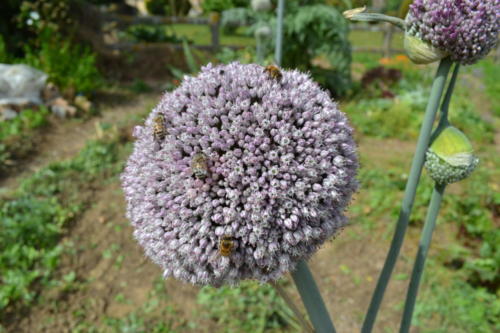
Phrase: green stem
x=409 y=195
x=318 y=314
x=279 y=33
x=357 y=15
x=423 y=248
x=443 y=121
x=291 y=304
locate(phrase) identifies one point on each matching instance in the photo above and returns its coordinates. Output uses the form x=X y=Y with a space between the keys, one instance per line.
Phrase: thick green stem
x=279 y=33
x=423 y=248
x=302 y=320
x=430 y=220
x=318 y=314
x=409 y=195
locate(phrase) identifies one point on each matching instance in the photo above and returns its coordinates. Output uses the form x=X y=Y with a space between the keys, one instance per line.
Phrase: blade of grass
x=191 y=62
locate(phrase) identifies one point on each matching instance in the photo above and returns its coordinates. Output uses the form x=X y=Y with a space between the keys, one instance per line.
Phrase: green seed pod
x=450 y=157
x=421 y=52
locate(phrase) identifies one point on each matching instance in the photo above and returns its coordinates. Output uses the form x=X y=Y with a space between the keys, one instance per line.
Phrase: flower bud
x=450 y=157
x=261 y=5
x=421 y=52
x=263 y=32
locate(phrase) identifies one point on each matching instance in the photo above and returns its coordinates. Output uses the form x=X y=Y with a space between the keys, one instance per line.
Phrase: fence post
x=388 y=33
x=214 y=21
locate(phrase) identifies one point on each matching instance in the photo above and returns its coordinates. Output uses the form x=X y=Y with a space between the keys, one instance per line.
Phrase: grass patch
x=491 y=72
x=449 y=304
x=250 y=307
x=200 y=35
x=17 y=136
x=37 y=214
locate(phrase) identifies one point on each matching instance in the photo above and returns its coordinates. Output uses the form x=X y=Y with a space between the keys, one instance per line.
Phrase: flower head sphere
x=253 y=174
x=464 y=29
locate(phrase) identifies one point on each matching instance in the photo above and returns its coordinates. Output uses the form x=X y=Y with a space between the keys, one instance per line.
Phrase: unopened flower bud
x=263 y=32
x=421 y=52
x=450 y=158
x=261 y=5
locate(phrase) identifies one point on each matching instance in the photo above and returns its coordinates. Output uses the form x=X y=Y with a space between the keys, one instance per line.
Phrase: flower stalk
x=311 y=297
x=306 y=326
x=410 y=191
x=430 y=220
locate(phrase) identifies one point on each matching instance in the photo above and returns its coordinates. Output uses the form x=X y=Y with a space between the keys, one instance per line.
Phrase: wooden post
x=388 y=33
x=214 y=21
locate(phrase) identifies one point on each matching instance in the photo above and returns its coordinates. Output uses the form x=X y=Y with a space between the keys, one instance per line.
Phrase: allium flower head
x=465 y=29
x=277 y=171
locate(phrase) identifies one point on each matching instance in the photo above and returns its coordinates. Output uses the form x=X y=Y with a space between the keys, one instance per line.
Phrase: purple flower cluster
x=281 y=165
x=466 y=29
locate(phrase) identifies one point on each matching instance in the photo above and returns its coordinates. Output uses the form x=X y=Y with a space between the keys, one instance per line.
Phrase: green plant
x=70 y=67
x=167 y=7
x=216 y=5
x=4 y=56
x=318 y=30
x=27 y=120
x=33 y=219
x=491 y=72
x=151 y=34
x=451 y=305
x=251 y=307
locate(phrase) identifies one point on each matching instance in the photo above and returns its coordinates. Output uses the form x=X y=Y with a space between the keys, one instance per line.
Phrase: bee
x=226 y=246
x=274 y=72
x=199 y=166
x=159 y=129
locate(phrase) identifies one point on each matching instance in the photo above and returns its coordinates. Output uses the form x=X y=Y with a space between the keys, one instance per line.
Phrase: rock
x=83 y=103
x=21 y=84
x=50 y=92
x=61 y=108
x=7 y=113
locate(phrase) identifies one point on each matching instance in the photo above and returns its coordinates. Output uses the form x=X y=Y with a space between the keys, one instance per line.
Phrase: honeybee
x=226 y=246
x=199 y=166
x=274 y=72
x=159 y=128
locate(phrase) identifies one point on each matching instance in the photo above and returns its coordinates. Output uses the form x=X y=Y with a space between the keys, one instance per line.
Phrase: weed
x=70 y=67
x=34 y=218
x=251 y=307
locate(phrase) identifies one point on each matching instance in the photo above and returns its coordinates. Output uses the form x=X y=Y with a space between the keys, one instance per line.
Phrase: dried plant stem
x=306 y=326
x=423 y=248
x=430 y=220
x=409 y=195
x=311 y=297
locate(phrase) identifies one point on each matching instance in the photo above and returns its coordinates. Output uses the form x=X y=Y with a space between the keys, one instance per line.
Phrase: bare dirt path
x=64 y=139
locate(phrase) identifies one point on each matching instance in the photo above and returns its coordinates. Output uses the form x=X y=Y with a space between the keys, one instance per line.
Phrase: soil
x=114 y=278
x=65 y=138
